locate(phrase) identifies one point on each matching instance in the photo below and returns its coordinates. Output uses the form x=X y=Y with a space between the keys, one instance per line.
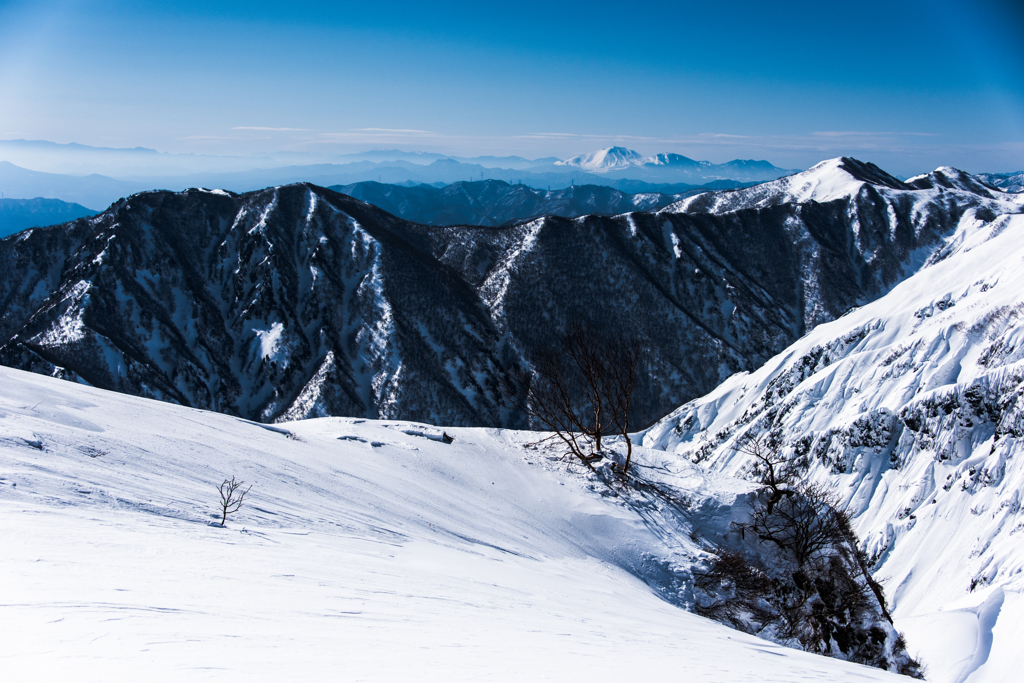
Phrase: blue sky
x=909 y=85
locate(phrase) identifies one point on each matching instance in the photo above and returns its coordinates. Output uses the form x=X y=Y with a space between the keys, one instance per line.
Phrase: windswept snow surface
x=912 y=409
x=365 y=551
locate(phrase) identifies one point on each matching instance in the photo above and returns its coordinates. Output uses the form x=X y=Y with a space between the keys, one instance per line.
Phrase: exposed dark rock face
x=298 y=301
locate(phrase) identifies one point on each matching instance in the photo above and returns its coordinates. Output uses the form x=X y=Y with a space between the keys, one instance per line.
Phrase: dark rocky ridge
x=298 y=301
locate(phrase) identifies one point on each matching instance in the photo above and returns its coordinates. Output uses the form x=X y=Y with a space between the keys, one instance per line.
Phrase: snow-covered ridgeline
x=843 y=178
x=912 y=409
x=366 y=550
x=297 y=302
x=1007 y=182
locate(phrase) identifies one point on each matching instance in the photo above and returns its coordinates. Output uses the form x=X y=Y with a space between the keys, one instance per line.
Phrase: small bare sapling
x=231 y=497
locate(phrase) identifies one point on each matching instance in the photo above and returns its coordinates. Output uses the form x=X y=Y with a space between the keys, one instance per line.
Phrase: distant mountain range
x=98 y=191
x=142 y=162
x=19 y=214
x=298 y=301
x=1007 y=182
x=96 y=177
x=494 y=202
x=621 y=162
x=92 y=191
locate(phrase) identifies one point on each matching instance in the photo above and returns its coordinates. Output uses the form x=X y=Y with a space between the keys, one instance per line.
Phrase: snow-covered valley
x=365 y=551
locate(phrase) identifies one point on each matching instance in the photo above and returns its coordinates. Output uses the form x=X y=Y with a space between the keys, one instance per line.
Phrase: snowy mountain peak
x=837 y=178
x=231 y=267
x=610 y=159
x=1005 y=182
x=949 y=178
x=845 y=178
x=621 y=162
x=677 y=160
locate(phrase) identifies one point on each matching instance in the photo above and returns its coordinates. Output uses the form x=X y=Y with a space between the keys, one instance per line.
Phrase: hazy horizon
x=908 y=87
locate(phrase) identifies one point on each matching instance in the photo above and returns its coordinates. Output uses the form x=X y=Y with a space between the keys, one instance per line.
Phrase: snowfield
x=912 y=409
x=366 y=550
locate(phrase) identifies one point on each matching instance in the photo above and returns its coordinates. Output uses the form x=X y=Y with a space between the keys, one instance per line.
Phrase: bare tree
x=771 y=468
x=547 y=395
x=581 y=388
x=587 y=353
x=806 y=523
x=624 y=361
x=231 y=497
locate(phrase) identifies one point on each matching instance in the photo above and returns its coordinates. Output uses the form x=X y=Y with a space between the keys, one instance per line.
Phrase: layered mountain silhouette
x=298 y=301
x=18 y=214
x=494 y=202
x=1007 y=182
x=618 y=162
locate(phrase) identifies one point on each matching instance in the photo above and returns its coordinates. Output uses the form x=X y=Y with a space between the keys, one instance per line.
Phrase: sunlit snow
x=365 y=551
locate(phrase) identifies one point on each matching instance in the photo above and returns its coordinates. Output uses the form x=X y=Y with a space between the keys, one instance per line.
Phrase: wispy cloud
x=408 y=131
x=868 y=134
x=579 y=136
x=724 y=136
x=268 y=128
x=207 y=137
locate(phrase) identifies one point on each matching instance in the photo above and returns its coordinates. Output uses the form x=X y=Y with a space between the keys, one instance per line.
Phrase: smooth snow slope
x=912 y=409
x=365 y=551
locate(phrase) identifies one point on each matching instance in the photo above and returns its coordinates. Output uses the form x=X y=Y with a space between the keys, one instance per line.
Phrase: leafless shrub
x=738 y=592
x=805 y=522
x=811 y=583
x=231 y=497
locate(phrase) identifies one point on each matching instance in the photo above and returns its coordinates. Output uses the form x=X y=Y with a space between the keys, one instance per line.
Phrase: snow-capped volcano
x=623 y=162
x=603 y=160
x=665 y=166
x=677 y=160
